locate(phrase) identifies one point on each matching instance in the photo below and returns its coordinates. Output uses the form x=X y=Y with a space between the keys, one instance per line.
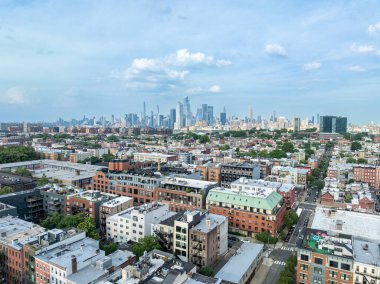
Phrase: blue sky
x=298 y=58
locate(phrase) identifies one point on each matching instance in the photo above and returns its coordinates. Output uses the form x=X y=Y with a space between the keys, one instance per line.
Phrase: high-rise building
x=172 y=118
x=333 y=124
x=204 y=112
x=187 y=111
x=210 y=115
x=223 y=117
x=297 y=124
x=179 y=116
x=143 y=118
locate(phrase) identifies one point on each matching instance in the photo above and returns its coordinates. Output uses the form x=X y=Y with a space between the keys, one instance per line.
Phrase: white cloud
x=168 y=72
x=374 y=29
x=312 y=66
x=13 y=96
x=365 y=49
x=215 y=89
x=357 y=68
x=275 y=49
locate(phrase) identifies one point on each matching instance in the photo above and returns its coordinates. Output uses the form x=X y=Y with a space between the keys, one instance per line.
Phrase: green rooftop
x=267 y=202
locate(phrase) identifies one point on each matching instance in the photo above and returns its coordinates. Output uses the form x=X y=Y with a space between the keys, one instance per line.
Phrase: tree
x=108 y=157
x=110 y=248
x=277 y=154
x=356 y=146
x=266 y=238
x=147 y=244
x=52 y=221
x=113 y=138
x=207 y=271
x=290 y=218
x=362 y=161
x=42 y=181
x=88 y=225
x=17 y=154
x=6 y=190
x=350 y=160
x=318 y=184
x=23 y=172
x=204 y=139
x=287 y=147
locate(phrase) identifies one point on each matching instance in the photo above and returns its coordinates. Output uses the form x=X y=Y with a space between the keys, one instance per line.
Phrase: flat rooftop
x=117 y=201
x=260 y=185
x=153 y=154
x=367 y=252
x=347 y=222
x=16 y=232
x=214 y=220
x=201 y=184
x=238 y=264
x=84 y=249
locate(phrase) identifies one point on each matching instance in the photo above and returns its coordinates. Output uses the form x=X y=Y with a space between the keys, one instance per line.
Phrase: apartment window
x=345 y=266
x=304 y=257
x=304 y=267
x=318 y=260
x=332 y=282
x=303 y=276
x=344 y=277
x=333 y=274
x=317 y=270
x=334 y=264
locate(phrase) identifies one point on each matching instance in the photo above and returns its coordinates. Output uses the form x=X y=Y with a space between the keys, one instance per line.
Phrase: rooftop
x=209 y=223
x=238 y=264
x=16 y=232
x=117 y=201
x=367 y=252
x=347 y=222
x=262 y=199
x=187 y=182
x=261 y=186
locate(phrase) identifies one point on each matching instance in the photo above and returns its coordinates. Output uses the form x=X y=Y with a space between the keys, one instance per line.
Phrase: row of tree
x=11 y=154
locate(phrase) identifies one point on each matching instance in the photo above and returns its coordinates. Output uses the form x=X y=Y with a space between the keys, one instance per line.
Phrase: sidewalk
x=262 y=272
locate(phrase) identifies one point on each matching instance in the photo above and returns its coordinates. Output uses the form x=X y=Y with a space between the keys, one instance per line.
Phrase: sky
x=96 y=58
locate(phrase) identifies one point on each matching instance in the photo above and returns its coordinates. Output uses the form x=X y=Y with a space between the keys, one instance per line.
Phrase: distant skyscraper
x=210 y=115
x=250 y=114
x=151 y=121
x=297 y=124
x=187 y=111
x=204 y=112
x=333 y=124
x=223 y=117
x=318 y=120
x=143 y=119
x=179 y=116
x=172 y=117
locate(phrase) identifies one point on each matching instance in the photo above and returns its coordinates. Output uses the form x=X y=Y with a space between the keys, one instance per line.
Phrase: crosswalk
x=279 y=262
x=288 y=248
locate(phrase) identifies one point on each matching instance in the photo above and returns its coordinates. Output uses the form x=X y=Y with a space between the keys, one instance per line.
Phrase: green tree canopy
x=147 y=244
x=207 y=271
x=23 y=172
x=110 y=248
x=88 y=225
x=11 y=154
x=356 y=146
x=6 y=190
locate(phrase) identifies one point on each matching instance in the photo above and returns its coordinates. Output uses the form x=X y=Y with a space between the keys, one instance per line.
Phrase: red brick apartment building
x=250 y=206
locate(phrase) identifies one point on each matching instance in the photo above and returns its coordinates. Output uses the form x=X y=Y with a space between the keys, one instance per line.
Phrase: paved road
x=300 y=229
x=279 y=257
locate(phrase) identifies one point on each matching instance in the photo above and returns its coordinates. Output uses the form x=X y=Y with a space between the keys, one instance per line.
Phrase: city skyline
x=92 y=58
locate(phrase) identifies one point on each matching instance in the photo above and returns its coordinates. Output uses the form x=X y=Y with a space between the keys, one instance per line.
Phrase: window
x=344 y=276
x=317 y=270
x=304 y=267
x=345 y=266
x=333 y=274
x=318 y=260
x=334 y=264
x=304 y=257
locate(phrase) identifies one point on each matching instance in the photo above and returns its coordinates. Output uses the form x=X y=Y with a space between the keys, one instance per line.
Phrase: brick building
x=368 y=174
x=251 y=208
x=231 y=172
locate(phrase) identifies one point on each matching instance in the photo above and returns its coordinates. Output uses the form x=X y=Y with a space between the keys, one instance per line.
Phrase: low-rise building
x=16 y=182
x=154 y=157
x=136 y=222
x=54 y=197
x=231 y=172
x=241 y=267
x=113 y=207
x=251 y=206
x=87 y=202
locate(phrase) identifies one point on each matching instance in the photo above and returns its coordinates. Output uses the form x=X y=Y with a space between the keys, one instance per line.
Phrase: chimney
x=74 y=265
x=339 y=225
